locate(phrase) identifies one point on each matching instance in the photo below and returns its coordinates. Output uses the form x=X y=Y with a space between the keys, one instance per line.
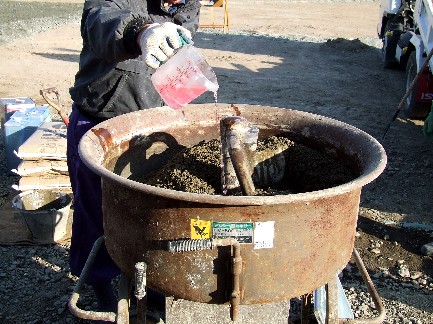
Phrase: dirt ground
x=51 y=58
x=322 y=57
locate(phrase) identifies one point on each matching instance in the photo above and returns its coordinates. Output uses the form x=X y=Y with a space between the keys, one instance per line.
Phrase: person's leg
x=87 y=223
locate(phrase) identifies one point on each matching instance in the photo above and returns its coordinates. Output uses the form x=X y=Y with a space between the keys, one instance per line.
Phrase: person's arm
x=111 y=29
x=159 y=41
x=188 y=16
x=115 y=33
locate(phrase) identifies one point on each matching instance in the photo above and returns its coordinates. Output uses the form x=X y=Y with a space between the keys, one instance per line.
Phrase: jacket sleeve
x=188 y=15
x=105 y=24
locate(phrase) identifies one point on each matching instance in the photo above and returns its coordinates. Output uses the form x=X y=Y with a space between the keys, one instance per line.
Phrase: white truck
x=406 y=30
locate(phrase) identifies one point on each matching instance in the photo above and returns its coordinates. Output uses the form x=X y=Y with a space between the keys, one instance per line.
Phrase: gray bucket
x=45 y=212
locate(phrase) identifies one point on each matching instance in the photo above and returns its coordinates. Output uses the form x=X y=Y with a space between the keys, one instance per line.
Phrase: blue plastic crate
x=33 y=115
x=19 y=128
x=8 y=106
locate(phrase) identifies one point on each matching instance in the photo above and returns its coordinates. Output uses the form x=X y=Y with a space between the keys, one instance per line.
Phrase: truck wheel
x=414 y=109
x=389 y=45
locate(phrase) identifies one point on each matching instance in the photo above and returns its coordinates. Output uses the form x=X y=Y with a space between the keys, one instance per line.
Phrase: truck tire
x=389 y=45
x=414 y=109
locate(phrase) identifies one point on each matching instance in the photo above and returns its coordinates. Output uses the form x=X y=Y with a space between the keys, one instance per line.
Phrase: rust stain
x=104 y=137
x=236 y=109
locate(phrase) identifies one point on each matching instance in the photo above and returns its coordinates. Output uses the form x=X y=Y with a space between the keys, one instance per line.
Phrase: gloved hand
x=428 y=125
x=159 y=41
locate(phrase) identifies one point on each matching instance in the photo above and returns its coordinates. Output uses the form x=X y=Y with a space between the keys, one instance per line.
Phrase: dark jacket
x=112 y=79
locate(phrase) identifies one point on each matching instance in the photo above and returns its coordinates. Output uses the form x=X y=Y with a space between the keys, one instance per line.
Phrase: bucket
x=45 y=212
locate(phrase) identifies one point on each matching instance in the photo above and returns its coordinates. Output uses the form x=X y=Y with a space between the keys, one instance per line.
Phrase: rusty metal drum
x=295 y=242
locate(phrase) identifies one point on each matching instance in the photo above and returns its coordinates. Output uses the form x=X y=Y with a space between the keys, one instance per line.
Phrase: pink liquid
x=177 y=98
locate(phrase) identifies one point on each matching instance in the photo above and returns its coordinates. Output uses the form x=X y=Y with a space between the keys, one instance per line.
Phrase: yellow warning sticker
x=200 y=229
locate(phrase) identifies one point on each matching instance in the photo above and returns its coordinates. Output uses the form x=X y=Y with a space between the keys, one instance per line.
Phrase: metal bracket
x=184 y=245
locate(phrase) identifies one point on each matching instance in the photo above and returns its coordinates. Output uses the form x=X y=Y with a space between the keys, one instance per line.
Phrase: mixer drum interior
x=290 y=244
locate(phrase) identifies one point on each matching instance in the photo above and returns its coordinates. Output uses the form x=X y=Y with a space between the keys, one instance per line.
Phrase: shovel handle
x=45 y=94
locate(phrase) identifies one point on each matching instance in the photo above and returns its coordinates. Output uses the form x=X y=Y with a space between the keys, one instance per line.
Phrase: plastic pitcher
x=184 y=77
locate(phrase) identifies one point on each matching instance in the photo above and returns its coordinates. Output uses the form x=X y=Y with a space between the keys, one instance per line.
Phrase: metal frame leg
x=123 y=304
x=373 y=293
x=74 y=309
x=332 y=300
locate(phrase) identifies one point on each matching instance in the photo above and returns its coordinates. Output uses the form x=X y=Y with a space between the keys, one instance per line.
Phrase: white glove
x=159 y=41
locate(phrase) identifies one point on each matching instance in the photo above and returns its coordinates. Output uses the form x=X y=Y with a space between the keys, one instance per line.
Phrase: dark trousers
x=87 y=220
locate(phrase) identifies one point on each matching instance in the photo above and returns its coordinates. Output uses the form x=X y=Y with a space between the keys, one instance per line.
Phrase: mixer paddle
x=238 y=143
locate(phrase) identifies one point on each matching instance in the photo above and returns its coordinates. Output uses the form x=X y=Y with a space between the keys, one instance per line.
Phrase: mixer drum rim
x=93 y=148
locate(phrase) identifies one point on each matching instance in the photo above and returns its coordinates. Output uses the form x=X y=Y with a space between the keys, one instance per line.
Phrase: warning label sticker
x=200 y=229
x=242 y=232
x=264 y=235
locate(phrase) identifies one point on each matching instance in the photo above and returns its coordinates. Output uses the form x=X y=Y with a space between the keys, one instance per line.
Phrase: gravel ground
x=30 y=18
x=43 y=271
x=35 y=282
